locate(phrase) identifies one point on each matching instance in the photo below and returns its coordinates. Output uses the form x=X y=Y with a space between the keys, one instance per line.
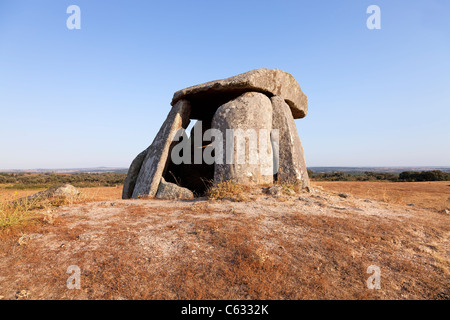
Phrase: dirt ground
x=316 y=245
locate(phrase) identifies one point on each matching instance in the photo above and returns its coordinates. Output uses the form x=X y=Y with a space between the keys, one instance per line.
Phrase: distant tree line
x=406 y=176
x=435 y=175
x=80 y=180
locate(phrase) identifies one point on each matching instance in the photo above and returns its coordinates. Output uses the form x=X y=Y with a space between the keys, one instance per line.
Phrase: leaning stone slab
x=170 y=191
x=132 y=175
x=268 y=81
x=155 y=161
x=291 y=159
x=250 y=118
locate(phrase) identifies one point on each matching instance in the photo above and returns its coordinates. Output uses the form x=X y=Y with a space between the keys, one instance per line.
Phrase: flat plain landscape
x=248 y=245
x=427 y=194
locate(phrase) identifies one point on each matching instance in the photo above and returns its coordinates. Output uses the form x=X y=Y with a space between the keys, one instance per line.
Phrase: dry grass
x=287 y=188
x=432 y=195
x=18 y=214
x=89 y=194
x=14 y=215
x=228 y=190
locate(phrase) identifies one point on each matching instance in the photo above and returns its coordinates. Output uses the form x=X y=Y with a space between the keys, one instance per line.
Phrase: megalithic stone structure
x=264 y=100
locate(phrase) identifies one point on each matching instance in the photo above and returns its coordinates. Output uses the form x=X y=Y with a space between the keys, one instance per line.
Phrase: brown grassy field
x=302 y=246
x=91 y=194
x=432 y=195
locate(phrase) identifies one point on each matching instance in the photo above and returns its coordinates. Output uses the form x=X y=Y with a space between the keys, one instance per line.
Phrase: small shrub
x=15 y=214
x=228 y=190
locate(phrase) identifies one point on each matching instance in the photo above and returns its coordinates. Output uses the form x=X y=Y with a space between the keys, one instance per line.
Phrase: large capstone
x=65 y=191
x=171 y=191
x=207 y=97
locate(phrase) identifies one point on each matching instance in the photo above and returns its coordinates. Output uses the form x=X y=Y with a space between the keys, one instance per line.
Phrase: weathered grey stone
x=291 y=159
x=132 y=175
x=277 y=190
x=289 y=192
x=274 y=190
x=343 y=195
x=249 y=113
x=65 y=190
x=212 y=94
x=171 y=191
x=155 y=161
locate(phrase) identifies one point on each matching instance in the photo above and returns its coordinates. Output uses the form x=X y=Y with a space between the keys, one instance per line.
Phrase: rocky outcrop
x=170 y=191
x=253 y=138
x=65 y=190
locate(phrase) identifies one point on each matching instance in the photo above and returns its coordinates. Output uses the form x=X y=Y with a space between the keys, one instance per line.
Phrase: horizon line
x=313 y=166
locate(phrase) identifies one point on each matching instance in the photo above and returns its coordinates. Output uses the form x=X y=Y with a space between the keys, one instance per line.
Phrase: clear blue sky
x=97 y=96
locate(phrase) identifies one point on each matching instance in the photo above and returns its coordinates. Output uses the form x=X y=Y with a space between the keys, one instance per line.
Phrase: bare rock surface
x=65 y=190
x=170 y=191
x=274 y=190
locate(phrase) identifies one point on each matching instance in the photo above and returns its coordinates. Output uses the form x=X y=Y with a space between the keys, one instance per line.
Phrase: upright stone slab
x=250 y=118
x=155 y=161
x=291 y=158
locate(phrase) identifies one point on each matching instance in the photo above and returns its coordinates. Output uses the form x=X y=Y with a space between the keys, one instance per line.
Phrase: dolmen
x=244 y=133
